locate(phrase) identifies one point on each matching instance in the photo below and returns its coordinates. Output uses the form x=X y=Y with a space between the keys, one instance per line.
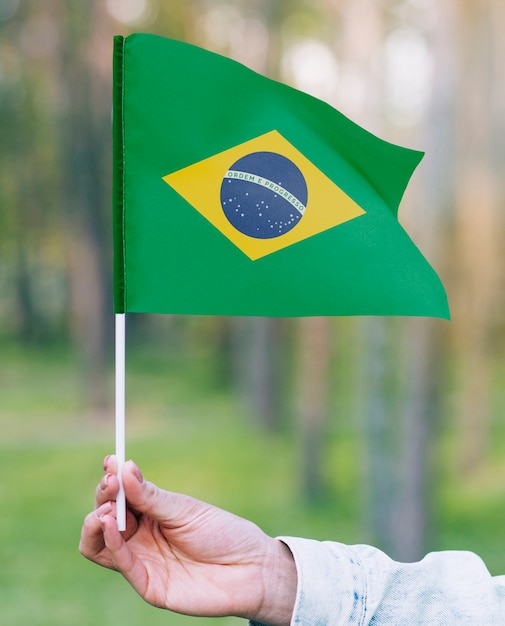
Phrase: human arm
x=343 y=585
x=187 y=556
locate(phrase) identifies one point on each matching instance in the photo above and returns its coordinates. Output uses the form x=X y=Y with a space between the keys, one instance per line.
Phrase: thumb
x=163 y=506
x=142 y=496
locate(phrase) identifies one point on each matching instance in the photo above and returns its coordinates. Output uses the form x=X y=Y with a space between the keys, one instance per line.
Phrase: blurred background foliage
x=386 y=431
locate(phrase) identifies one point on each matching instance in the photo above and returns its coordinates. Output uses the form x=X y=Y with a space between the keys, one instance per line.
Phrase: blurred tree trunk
x=380 y=429
x=479 y=225
x=259 y=342
x=85 y=134
x=314 y=382
x=29 y=179
x=421 y=410
x=266 y=375
x=28 y=318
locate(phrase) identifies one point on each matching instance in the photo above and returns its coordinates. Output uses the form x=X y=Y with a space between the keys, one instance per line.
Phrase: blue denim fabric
x=340 y=585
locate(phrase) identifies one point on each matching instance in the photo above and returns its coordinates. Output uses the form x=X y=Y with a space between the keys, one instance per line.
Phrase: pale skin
x=184 y=555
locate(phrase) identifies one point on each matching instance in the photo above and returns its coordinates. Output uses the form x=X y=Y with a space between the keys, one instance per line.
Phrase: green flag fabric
x=238 y=195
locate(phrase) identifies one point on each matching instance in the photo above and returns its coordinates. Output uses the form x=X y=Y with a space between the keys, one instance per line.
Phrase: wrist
x=279 y=587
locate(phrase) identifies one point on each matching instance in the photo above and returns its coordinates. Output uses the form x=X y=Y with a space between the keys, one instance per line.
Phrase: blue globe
x=264 y=195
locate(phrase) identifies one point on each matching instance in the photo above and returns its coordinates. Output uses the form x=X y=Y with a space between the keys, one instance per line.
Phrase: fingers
x=102 y=543
x=110 y=464
x=108 y=487
x=123 y=558
x=92 y=543
x=106 y=490
x=141 y=495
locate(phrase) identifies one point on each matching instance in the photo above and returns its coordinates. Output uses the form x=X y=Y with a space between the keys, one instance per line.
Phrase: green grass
x=187 y=436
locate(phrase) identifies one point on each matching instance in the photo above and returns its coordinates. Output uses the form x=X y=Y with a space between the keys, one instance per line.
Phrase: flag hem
x=118 y=167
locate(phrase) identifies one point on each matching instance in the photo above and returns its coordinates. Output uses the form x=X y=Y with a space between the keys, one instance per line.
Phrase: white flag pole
x=120 y=417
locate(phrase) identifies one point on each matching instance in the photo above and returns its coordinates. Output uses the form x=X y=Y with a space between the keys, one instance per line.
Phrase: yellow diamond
x=327 y=205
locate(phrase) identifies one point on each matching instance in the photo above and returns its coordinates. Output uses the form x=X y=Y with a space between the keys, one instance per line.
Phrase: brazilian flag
x=238 y=195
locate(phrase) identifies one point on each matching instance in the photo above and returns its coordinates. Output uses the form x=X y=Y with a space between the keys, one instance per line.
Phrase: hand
x=187 y=556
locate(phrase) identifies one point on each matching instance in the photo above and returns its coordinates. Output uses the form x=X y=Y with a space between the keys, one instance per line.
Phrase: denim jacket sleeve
x=340 y=585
